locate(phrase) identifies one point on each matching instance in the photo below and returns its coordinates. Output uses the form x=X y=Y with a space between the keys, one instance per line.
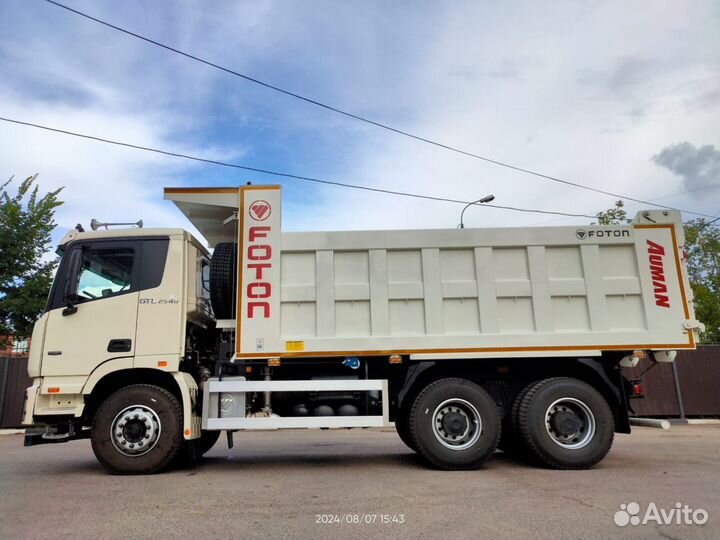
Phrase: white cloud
x=583 y=91
x=101 y=181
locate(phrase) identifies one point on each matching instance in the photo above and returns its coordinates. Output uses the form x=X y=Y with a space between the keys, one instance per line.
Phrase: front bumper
x=30 y=399
x=61 y=432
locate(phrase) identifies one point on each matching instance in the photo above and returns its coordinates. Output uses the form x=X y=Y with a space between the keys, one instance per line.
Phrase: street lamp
x=485 y=199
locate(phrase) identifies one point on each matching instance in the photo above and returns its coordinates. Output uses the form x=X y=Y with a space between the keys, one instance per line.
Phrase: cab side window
x=105 y=273
x=205 y=277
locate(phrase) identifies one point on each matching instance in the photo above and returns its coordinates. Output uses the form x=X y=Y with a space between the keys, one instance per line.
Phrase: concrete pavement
x=298 y=484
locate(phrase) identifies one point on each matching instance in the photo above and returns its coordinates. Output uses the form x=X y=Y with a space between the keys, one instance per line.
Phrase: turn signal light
x=53 y=390
x=395 y=359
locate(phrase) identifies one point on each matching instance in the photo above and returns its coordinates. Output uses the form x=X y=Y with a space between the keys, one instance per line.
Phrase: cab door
x=102 y=322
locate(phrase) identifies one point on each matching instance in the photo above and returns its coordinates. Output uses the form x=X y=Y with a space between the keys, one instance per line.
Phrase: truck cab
x=125 y=305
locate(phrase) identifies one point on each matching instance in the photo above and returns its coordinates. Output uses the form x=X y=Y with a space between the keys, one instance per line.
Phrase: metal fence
x=688 y=387
x=13 y=382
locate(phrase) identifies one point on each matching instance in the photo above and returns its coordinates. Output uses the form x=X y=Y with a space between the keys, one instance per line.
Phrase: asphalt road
x=276 y=484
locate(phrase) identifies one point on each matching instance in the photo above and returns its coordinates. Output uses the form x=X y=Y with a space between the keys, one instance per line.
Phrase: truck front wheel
x=565 y=423
x=455 y=424
x=137 y=430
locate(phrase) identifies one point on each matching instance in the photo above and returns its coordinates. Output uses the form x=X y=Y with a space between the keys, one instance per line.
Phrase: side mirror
x=71 y=283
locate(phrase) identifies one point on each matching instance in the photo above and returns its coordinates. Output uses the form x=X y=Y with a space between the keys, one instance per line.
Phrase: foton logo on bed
x=259 y=264
x=260 y=210
x=656 y=253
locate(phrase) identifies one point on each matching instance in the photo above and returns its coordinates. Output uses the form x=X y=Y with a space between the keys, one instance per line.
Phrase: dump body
x=150 y=348
x=466 y=293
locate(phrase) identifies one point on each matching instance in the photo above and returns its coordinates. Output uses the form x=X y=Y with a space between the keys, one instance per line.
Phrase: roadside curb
x=665 y=423
x=650 y=422
x=696 y=421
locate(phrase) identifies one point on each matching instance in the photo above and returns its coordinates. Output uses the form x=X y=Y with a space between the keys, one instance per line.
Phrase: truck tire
x=565 y=423
x=137 y=430
x=510 y=441
x=223 y=267
x=402 y=426
x=455 y=424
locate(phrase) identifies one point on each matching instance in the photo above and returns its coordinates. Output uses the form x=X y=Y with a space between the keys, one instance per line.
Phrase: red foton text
x=259 y=260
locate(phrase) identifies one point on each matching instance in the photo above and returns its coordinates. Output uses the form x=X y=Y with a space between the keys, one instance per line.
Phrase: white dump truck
x=465 y=339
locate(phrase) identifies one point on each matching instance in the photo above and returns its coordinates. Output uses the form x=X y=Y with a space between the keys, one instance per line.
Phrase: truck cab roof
x=135 y=232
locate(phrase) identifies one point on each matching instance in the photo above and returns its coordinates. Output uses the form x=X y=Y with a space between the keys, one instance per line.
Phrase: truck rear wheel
x=137 y=430
x=565 y=423
x=402 y=426
x=454 y=424
x=510 y=441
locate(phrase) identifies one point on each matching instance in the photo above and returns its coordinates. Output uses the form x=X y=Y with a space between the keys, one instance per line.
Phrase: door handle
x=119 y=345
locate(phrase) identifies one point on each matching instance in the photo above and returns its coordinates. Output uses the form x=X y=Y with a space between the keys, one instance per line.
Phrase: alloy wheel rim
x=135 y=430
x=457 y=424
x=570 y=423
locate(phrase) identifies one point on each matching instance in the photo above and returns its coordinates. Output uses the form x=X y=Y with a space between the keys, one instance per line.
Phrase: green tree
x=702 y=243
x=613 y=216
x=26 y=273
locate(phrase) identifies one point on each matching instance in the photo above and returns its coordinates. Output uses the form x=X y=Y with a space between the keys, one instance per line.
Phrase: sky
x=624 y=97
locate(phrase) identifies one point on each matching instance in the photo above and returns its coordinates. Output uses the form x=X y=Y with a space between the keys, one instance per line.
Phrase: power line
x=281 y=174
x=703 y=188
x=709 y=186
x=358 y=117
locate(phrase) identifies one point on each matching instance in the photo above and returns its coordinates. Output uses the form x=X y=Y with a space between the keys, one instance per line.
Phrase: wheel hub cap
x=565 y=423
x=454 y=423
x=134 y=431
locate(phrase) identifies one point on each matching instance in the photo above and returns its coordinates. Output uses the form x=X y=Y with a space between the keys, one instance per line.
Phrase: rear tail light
x=634 y=389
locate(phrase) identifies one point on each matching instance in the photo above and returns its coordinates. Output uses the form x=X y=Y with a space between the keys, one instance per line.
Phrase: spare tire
x=223 y=272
